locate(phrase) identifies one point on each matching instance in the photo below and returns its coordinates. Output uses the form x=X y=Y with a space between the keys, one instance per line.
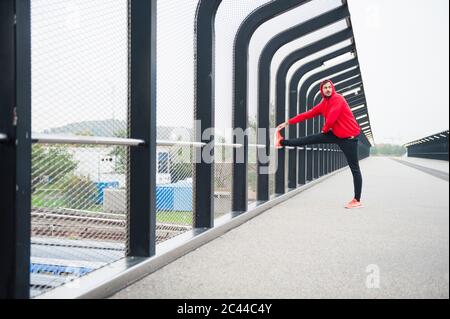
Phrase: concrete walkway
x=430 y=163
x=312 y=247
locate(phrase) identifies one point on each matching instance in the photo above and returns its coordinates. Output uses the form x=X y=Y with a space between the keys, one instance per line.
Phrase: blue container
x=174 y=197
x=164 y=197
x=182 y=196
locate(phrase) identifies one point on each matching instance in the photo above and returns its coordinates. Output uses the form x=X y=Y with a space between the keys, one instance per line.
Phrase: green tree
x=387 y=150
x=51 y=164
x=85 y=132
x=79 y=192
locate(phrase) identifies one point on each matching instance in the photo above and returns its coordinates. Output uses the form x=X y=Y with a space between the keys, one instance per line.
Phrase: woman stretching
x=340 y=128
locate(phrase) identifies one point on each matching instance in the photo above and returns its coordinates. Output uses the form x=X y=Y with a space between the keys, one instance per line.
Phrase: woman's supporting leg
x=351 y=152
x=320 y=138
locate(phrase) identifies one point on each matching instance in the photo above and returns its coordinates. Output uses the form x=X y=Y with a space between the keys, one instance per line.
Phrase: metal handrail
x=181 y=143
x=229 y=145
x=86 y=140
x=3 y=137
x=97 y=140
x=257 y=145
x=116 y=141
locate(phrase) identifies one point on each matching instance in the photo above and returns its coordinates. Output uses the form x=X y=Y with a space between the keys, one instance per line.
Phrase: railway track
x=73 y=224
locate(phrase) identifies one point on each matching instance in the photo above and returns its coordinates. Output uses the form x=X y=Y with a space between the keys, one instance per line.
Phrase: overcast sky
x=79 y=60
x=403 y=49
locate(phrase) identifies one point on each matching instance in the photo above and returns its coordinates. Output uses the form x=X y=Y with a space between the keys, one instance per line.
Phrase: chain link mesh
x=229 y=17
x=175 y=109
x=79 y=88
x=223 y=172
x=80 y=80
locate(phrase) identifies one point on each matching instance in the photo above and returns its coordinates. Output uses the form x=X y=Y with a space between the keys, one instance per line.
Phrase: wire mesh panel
x=80 y=66
x=229 y=17
x=261 y=38
x=79 y=192
x=175 y=107
x=79 y=88
x=173 y=191
x=223 y=171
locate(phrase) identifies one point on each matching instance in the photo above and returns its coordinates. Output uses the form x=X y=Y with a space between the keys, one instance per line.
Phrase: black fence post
x=240 y=93
x=432 y=147
x=306 y=99
x=294 y=108
x=204 y=107
x=15 y=148
x=280 y=103
x=142 y=219
x=298 y=31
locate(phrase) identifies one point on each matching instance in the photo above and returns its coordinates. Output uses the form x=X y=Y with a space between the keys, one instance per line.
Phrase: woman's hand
x=283 y=125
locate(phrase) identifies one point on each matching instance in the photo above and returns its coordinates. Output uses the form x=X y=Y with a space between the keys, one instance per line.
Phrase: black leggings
x=347 y=145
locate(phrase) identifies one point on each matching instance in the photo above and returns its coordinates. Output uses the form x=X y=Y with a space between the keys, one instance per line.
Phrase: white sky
x=80 y=59
x=403 y=49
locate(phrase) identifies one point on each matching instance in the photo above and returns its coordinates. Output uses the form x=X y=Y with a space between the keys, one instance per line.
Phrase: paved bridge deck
x=312 y=247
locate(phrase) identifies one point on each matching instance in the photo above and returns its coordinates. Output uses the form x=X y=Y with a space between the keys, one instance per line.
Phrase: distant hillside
x=113 y=127
x=95 y=128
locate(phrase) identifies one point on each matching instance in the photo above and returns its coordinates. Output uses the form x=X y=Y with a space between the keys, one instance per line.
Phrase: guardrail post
x=204 y=107
x=296 y=32
x=240 y=81
x=15 y=152
x=142 y=219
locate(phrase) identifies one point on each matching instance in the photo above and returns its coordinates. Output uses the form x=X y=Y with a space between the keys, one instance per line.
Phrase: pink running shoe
x=354 y=204
x=278 y=139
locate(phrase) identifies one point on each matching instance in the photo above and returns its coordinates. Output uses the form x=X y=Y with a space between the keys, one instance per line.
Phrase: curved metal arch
x=293 y=86
x=280 y=95
x=317 y=121
x=293 y=93
x=359 y=113
x=350 y=88
x=363 y=111
x=355 y=97
x=351 y=99
x=296 y=32
x=343 y=85
x=339 y=88
x=359 y=99
x=302 y=108
x=344 y=91
x=316 y=154
x=355 y=86
x=240 y=79
x=358 y=118
x=204 y=109
x=338 y=78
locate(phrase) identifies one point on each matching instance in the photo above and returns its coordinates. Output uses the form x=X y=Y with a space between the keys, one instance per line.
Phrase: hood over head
x=332 y=87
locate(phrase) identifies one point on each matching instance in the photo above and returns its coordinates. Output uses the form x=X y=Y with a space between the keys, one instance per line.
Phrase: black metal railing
x=298 y=166
x=433 y=147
